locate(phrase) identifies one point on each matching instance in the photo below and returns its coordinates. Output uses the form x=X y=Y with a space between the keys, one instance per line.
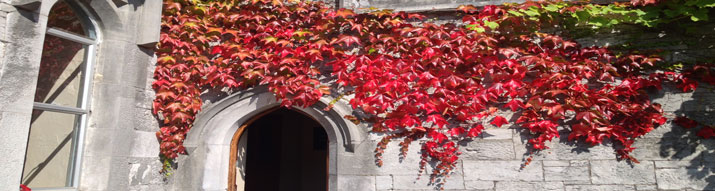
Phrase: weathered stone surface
x=558 y=173
x=144 y=144
x=13 y=141
x=556 y=163
x=579 y=163
x=599 y=187
x=497 y=133
x=144 y=172
x=615 y=172
x=149 y=24
x=667 y=148
x=357 y=183
x=685 y=178
x=383 y=182
x=410 y=182
x=676 y=164
x=561 y=151
x=478 y=185
x=529 y=186
x=393 y=163
x=502 y=170
x=99 y=176
x=488 y=149
x=646 y=187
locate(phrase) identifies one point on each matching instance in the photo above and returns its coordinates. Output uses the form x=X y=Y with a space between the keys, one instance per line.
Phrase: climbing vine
x=414 y=80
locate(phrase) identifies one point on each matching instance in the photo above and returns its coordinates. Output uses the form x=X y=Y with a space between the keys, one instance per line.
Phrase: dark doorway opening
x=285 y=150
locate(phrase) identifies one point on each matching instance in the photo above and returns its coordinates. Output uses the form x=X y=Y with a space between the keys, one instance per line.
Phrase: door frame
x=233 y=158
x=234 y=148
x=208 y=143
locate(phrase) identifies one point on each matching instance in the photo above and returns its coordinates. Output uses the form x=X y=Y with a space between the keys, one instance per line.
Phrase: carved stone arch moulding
x=208 y=143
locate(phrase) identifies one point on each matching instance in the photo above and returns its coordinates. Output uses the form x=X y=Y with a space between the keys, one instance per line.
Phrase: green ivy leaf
x=475 y=27
x=515 y=13
x=700 y=15
x=552 y=8
x=532 y=12
x=492 y=25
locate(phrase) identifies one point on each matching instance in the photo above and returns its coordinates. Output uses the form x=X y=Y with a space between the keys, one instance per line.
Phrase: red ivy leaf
x=685 y=122
x=499 y=121
x=706 y=132
x=348 y=40
x=475 y=131
x=688 y=85
x=515 y=104
x=217 y=50
x=345 y=13
x=456 y=131
x=437 y=120
x=181 y=116
x=437 y=136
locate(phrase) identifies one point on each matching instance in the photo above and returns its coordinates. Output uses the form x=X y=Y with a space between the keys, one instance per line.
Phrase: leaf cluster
x=436 y=83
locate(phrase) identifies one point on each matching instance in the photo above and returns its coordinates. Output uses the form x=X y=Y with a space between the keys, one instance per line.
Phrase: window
x=61 y=99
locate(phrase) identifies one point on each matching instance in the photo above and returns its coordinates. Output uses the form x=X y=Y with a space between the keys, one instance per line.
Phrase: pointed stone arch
x=208 y=143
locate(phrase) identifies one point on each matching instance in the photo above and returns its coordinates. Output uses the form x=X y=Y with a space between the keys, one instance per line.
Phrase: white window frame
x=91 y=42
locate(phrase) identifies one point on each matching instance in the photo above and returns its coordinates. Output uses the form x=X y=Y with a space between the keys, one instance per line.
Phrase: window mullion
x=59 y=108
x=70 y=36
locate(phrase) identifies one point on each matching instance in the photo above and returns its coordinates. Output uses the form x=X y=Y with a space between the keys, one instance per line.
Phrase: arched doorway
x=280 y=149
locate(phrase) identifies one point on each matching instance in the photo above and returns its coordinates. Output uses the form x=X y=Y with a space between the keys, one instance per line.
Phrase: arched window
x=62 y=95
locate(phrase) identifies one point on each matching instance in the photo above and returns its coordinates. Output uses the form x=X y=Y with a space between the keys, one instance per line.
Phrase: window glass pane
x=49 y=149
x=61 y=72
x=64 y=18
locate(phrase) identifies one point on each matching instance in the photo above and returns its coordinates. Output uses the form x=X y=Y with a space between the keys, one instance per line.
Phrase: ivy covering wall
x=411 y=79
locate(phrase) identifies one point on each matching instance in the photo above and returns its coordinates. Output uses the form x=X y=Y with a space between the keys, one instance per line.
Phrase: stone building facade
x=108 y=141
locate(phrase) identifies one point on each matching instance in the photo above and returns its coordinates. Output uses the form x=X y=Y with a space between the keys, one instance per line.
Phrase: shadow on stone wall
x=683 y=145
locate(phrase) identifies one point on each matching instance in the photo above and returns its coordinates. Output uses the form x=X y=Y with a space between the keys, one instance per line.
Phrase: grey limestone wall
x=671 y=158
x=120 y=147
x=18 y=59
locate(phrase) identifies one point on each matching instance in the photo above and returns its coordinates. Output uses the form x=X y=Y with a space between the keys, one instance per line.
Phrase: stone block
x=383 y=182
x=95 y=174
x=488 y=149
x=145 y=171
x=700 y=100
x=411 y=182
x=561 y=149
x=579 y=163
x=144 y=144
x=615 y=172
x=685 y=178
x=356 y=183
x=676 y=164
x=109 y=142
x=529 y=186
x=478 y=185
x=559 y=173
x=362 y=161
x=503 y=170
x=497 y=133
x=667 y=147
x=17 y=84
x=599 y=187
x=13 y=142
x=646 y=187
x=149 y=24
x=556 y=163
